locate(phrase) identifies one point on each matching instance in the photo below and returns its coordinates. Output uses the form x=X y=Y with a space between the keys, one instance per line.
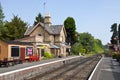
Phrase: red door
x=22 y=53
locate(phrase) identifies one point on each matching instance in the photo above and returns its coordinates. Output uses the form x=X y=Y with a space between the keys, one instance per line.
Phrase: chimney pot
x=47 y=20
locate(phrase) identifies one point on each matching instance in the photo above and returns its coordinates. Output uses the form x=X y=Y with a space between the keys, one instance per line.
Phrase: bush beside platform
x=116 y=55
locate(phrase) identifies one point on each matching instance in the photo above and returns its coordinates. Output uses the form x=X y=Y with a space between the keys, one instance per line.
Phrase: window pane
x=42 y=52
x=15 y=51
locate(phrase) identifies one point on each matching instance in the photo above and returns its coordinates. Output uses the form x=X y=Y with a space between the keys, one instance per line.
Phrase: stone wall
x=37 y=30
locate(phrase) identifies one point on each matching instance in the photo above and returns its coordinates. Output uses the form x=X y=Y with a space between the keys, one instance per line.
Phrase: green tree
x=39 y=18
x=98 y=47
x=115 y=33
x=87 y=44
x=70 y=27
x=1 y=20
x=119 y=33
x=78 y=48
x=14 y=29
x=87 y=40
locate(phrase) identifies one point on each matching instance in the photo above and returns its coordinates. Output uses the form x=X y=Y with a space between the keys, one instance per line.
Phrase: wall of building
x=20 y=46
x=47 y=37
x=35 y=38
x=52 y=38
x=60 y=38
x=37 y=30
x=3 y=50
x=28 y=39
x=64 y=51
x=62 y=35
x=57 y=38
x=38 y=38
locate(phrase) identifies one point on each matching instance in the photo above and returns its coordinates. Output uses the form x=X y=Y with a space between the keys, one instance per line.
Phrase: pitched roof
x=53 y=29
x=16 y=42
x=31 y=28
x=54 y=46
x=19 y=43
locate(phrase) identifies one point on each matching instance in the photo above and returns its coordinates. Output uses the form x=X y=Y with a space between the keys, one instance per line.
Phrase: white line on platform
x=95 y=69
x=6 y=73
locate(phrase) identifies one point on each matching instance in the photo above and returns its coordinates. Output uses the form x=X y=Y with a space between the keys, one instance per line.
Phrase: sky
x=92 y=16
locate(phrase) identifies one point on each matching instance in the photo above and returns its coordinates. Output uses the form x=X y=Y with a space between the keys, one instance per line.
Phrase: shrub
x=61 y=55
x=114 y=55
x=118 y=57
x=48 y=55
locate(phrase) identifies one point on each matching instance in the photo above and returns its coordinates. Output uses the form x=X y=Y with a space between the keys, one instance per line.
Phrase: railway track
x=79 y=70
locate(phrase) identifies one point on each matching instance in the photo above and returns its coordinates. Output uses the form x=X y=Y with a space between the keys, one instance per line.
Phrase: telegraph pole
x=118 y=37
x=44 y=18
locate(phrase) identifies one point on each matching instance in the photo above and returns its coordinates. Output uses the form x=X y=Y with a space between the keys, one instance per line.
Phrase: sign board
x=42 y=47
x=29 y=51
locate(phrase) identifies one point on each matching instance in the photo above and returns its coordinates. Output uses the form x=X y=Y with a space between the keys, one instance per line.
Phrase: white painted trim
x=95 y=69
x=6 y=73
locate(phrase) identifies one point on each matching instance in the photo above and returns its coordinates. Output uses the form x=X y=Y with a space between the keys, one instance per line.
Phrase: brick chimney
x=47 y=20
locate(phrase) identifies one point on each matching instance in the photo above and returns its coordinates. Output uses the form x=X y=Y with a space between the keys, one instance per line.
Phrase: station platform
x=30 y=64
x=30 y=69
x=106 y=69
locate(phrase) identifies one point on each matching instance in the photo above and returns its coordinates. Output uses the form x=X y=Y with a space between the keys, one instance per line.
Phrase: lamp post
x=44 y=20
x=118 y=38
x=70 y=45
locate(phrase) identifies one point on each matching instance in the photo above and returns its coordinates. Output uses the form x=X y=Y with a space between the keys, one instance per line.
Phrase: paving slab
x=108 y=69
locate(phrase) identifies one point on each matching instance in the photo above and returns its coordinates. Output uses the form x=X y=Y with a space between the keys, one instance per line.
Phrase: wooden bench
x=7 y=62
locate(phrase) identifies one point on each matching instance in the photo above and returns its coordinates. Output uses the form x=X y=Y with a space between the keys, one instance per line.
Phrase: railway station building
x=41 y=38
x=46 y=37
x=14 y=49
